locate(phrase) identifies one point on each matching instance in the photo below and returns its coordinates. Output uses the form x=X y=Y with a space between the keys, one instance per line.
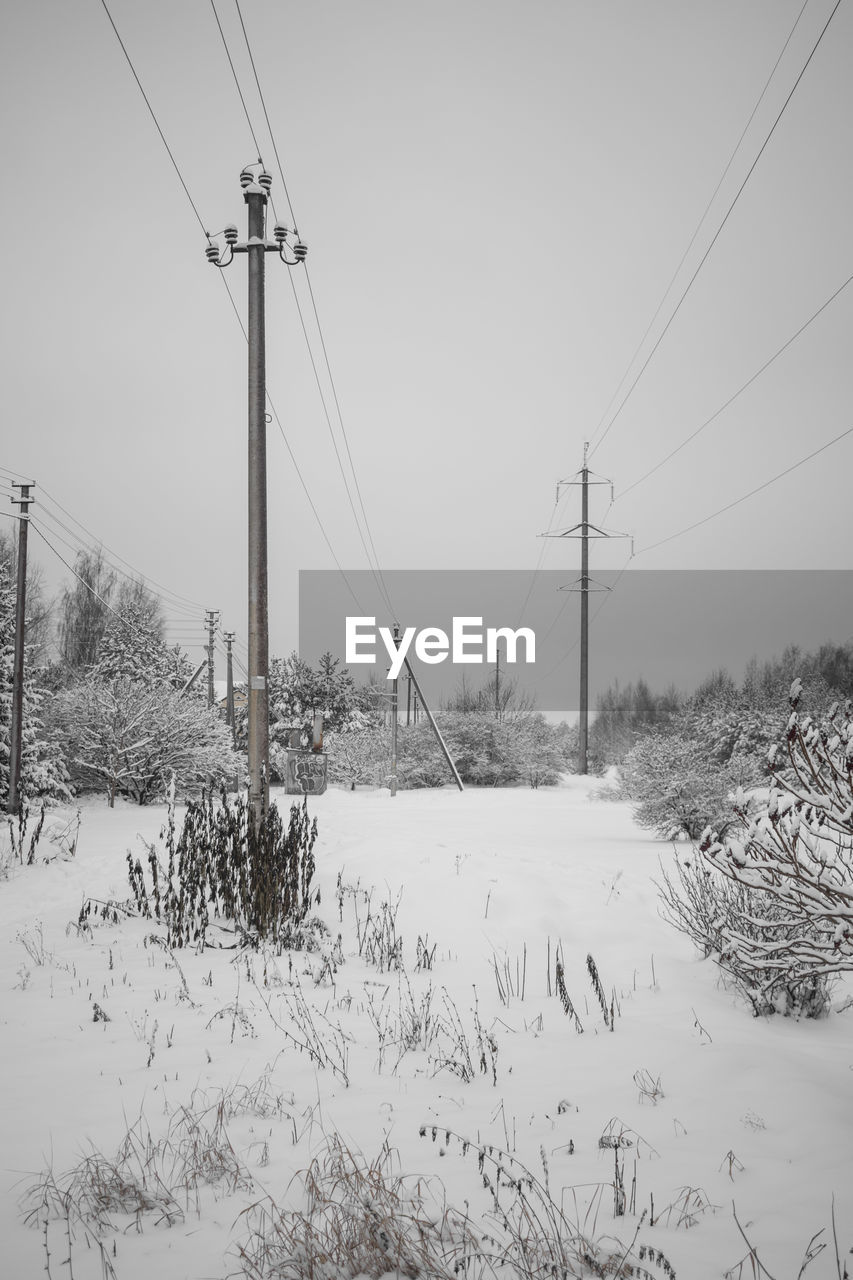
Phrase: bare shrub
x=707 y=906
x=360 y=1219
x=146 y=1177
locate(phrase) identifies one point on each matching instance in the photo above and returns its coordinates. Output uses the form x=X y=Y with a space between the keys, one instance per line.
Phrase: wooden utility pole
x=256 y=189
x=394 y=718
x=211 y=617
x=16 y=733
x=228 y=637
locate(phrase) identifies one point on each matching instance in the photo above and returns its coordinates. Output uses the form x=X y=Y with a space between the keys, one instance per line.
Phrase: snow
x=750 y=1113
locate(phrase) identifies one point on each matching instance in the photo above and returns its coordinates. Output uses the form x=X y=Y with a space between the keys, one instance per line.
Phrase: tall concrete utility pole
x=256 y=189
x=395 y=707
x=211 y=617
x=228 y=637
x=16 y=734
x=584 y=531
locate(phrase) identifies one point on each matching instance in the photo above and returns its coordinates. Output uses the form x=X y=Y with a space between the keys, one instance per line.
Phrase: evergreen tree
x=43 y=772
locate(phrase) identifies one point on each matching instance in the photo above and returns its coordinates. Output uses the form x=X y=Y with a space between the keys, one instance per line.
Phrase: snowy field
x=703 y=1111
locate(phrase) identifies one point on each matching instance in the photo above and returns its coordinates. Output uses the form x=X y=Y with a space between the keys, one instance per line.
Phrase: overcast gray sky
x=495 y=195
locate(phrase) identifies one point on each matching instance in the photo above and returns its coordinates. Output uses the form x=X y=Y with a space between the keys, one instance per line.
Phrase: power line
x=379 y=584
x=168 y=597
x=380 y=579
x=758 y=489
x=154 y=118
x=124 y=621
x=705 y=520
x=266 y=114
x=16 y=475
x=384 y=588
x=236 y=81
x=233 y=304
x=700 y=223
x=296 y=467
x=737 y=393
x=717 y=233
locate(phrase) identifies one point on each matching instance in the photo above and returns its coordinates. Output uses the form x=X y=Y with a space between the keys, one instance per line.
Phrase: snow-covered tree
x=130 y=738
x=132 y=645
x=39 y=614
x=84 y=609
x=297 y=691
x=798 y=851
x=43 y=772
x=677 y=786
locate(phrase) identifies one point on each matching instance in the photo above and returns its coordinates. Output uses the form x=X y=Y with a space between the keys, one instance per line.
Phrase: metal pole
x=583 y=726
x=394 y=719
x=16 y=734
x=229 y=688
x=258 y=736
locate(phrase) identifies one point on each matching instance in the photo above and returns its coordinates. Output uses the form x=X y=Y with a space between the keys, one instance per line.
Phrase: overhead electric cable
x=717 y=233
x=266 y=114
x=296 y=467
x=207 y=237
x=236 y=81
x=380 y=582
x=701 y=221
x=377 y=571
x=737 y=393
x=345 y=435
x=705 y=520
x=154 y=118
x=179 y=603
x=758 y=489
x=123 y=620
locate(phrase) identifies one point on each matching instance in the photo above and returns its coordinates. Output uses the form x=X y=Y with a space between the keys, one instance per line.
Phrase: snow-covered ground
x=723 y=1113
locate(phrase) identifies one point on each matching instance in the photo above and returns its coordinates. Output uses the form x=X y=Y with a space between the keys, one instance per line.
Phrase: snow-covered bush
x=43 y=772
x=796 y=853
x=486 y=752
x=678 y=788
x=131 y=739
x=707 y=907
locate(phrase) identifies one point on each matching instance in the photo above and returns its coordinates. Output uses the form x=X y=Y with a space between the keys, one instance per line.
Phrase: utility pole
x=584 y=531
x=408 y=699
x=497 y=683
x=16 y=734
x=394 y=718
x=211 y=617
x=256 y=189
x=228 y=637
x=583 y=721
